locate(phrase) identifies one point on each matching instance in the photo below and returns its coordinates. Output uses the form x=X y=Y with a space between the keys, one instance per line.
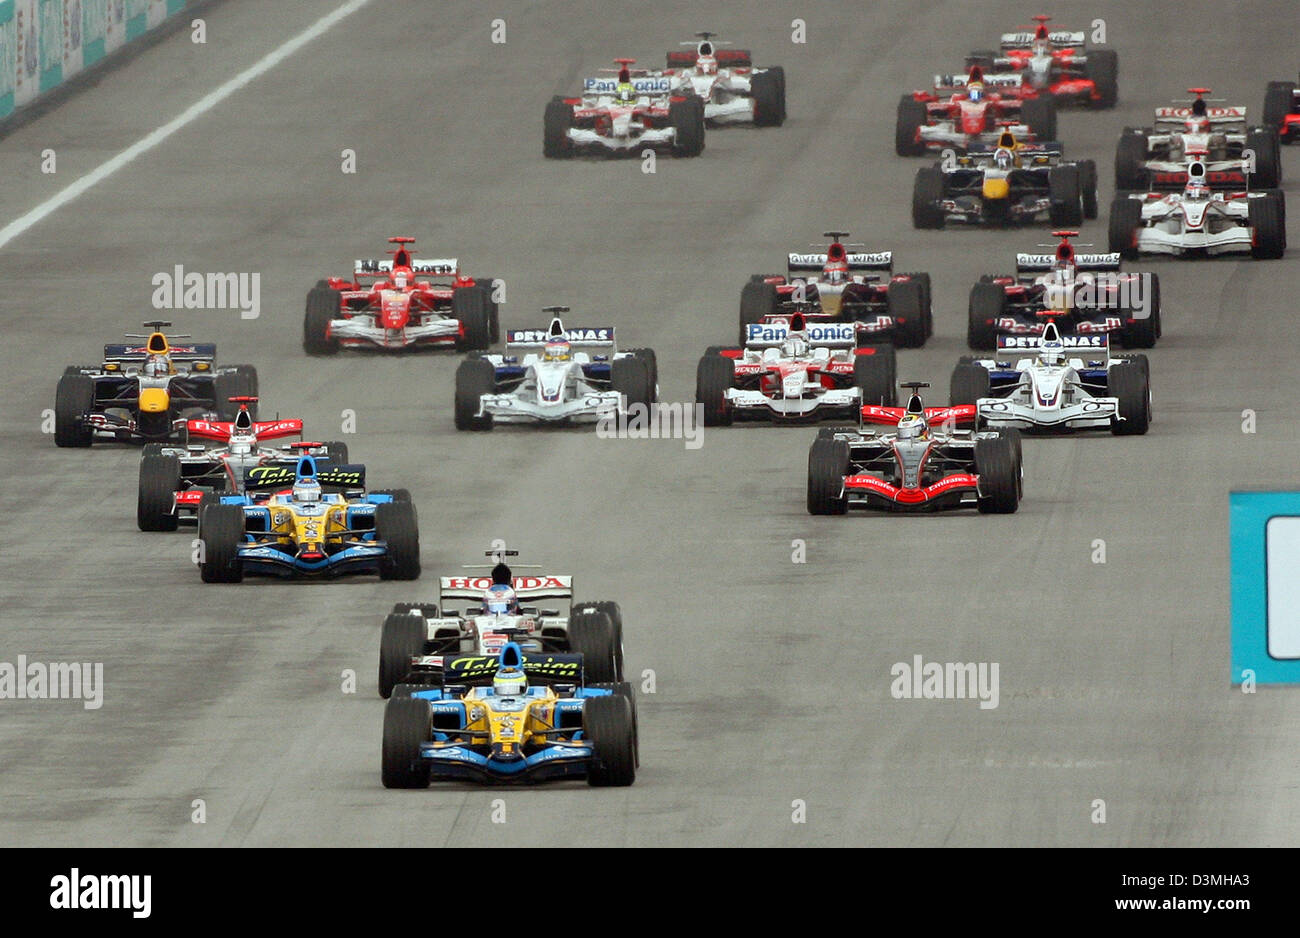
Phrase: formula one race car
x=1011 y=183
x=733 y=90
x=554 y=383
x=858 y=287
x=794 y=369
x=514 y=717
x=1056 y=63
x=962 y=112
x=419 y=638
x=636 y=111
x=923 y=464
x=1282 y=110
x=1235 y=156
x=296 y=522
x=1199 y=222
x=1054 y=390
x=146 y=391
x=1084 y=294
x=400 y=303
x=175 y=478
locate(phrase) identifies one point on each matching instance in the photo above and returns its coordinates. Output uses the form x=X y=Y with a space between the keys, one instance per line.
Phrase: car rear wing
x=727 y=58
x=814 y=263
x=1059 y=38
x=652 y=84
x=959 y=414
x=774 y=331
x=432 y=266
x=527 y=587
x=990 y=80
x=348 y=477
x=1091 y=342
x=541 y=668
x=263 y=429
x=194 y=352
x=590 y=337
x=1040 y=263
x=1217 y=116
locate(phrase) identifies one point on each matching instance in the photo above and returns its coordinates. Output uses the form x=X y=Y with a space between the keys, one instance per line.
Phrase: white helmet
x=795 y=345
x=306 y=490
x=911 y=427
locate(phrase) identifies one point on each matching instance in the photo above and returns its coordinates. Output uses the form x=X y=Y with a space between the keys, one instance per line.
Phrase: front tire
x=828 y=464
x=396 y=526
x=74 y=399
x=406 y=725
x=160 y=480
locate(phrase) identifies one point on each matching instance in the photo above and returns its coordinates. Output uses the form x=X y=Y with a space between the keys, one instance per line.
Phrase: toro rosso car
x=509 y=718
x=1009 y=184
x=858 y=287
x=733 y=91
x=500 y=607
x=403 y=302
x=794 y=369
x=1050 y=382
x=1199 y=222
x=553 y=381
x=145 y=390
x=1282 y=110
x=923 y=463
x=625 y=114
x=1235 y=156
x=1084 y=294
x=1056 y=63
x=174 y=479
x=311 y=524
x=964 y=111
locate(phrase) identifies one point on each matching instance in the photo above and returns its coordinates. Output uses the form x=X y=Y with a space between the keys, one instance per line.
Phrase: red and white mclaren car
x=626 y=113
x=403 y=302
x=964 y=110
x=733 y=90
x=794 y=369
x=1056 y=63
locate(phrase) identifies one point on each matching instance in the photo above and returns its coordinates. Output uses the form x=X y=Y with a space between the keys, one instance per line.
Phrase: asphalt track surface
x=772 y=678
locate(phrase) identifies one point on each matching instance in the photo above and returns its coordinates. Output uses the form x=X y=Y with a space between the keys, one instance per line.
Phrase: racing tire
x=155 y=506
x=757 y=301
x=615 y=613
x=714 y=376
x=336 y=452
x=1131 y=383
x=1144 y=330
x=874 y=375
x=427 y=610
x=1103 y=68
x=556 y=144
x=927 y=299
x=1268 y=233
x=981 y=58
x=323 y=305
x=488 y=286
x=475 y=377
x=999 y=475
x=469 y=307
x=1039 y=114
x=769 y=100
x=1278 y=98
x=1130 y=154
x=687 y=119
x=609 y=724
x=828 y=464
x=1017 y=447
x=1125 y=220
x=651 y=360
x=402 y=638
x=74 y=399
x=927 y=190
x=907 y=309
x=630 y=377
x=221 y=533
x=592 y=635
x=239 y=383
x=398 y=495
x=1066 y=193
x=912 y=116
x=624 y=689
x=969 y=383
x=406 y=725
x=988 y=303
x=1268 y=159
x=248 y=376
x=1088 y=187
x=396 y=526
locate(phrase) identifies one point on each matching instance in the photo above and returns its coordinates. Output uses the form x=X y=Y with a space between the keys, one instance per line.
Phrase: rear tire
x=999 y=475
x=757 y=301
x=1130 y=154
x=1268 y=159
x=874 y=375
x=969 y=383
x=1066 y=193
x=1039 y=114
x=1103 y=68
x=1125 y=220
x=988 y=303
x=592 y=635
x=1278 y=98
x=630 y=376
x=906 y=307
x=402 y=638
x=1088 y=187
x=769 y=100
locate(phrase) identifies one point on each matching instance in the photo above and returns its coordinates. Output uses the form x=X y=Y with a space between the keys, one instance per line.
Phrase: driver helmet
x=975 y=91
x=1196 y=188
x=156 y=366
x=1052 y=351
x=1198 y=124
x=510 y=682
x=795 y=345
x=1003 y=158
x=912 y=427
x=401 y=277
x=306 y=490
x=706 y=65
x=241 y=444
x=557 y=350
x=500 y=600
x=836 y=271
x=625 y=93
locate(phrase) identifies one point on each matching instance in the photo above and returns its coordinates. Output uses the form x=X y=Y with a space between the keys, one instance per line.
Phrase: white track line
x=197 y=109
